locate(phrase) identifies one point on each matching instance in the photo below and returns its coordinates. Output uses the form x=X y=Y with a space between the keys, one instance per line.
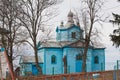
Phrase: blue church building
x=65 y=54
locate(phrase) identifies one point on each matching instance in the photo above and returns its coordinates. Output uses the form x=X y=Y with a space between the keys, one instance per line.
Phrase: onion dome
x=70 y=14
x=70 y=21
x=62 y=24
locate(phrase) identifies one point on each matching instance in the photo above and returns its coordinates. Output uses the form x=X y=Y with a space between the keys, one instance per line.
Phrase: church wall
x=62 y=35
x=53 y=68
x=58 y=35
x=100 y=65
x=28 y=67
x=77 y=31
x=72 y=63
x=41 y=54
x=66 y=35
x=89 y=60
x=70 y=53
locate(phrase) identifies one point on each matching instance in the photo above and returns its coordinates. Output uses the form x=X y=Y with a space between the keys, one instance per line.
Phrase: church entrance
x=34 y=70
x=79 y=62
x=78 y=66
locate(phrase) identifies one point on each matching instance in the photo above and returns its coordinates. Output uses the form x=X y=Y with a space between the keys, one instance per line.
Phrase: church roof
x=68 y=25
x=61 y=44
x=96 y=46
x=30 y=59
x=55 y=44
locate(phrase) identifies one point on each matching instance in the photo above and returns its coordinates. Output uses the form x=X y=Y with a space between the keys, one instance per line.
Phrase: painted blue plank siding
x=101 y=60
x=66 y=35
x=58 y=66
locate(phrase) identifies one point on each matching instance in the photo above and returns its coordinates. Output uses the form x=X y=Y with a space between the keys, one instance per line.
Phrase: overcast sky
x=111 y=6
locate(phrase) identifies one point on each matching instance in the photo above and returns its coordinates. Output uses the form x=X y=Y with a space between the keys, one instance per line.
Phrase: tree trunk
x=85 y=54
x=10 y=65
x=87 y=41
x=65 y=69
x=37 y=61
x=65 y=64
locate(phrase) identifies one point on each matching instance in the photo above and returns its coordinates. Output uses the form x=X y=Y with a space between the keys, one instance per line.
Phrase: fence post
x=117 y=65
x=114 y=72
x=53 y=71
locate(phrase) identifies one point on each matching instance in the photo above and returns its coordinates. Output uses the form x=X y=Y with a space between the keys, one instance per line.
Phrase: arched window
x=53 y=59
x=96 y=60
x=79 y=57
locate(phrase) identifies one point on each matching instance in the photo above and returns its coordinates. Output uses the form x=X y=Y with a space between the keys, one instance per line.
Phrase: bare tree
x=90 y=15
x=9 y=21
x=34 y=15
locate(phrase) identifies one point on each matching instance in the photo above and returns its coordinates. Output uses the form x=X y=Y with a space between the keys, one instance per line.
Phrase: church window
x=53 y=59
x=79 y=57
x=73 y=35
x=96 y=60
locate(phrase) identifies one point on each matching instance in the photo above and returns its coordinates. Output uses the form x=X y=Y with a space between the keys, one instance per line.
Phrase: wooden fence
x=104 y=75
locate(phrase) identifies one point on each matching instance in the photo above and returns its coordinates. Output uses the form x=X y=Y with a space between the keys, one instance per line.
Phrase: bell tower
x=70 y=31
